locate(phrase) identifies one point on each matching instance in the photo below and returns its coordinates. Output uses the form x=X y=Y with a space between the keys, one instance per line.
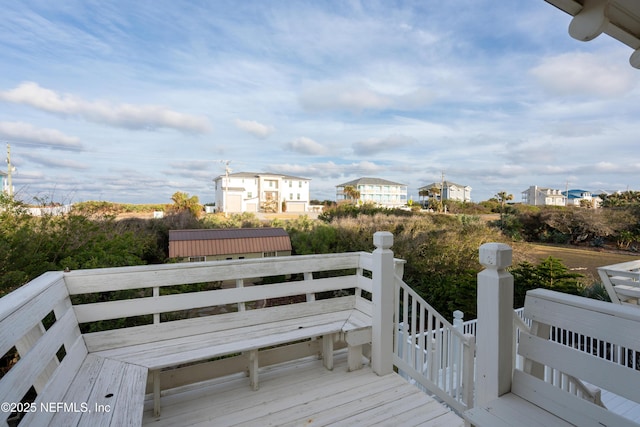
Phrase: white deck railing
x=430 y=352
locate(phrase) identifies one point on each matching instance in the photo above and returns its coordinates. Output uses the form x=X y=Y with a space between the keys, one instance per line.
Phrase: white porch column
x=383 y=304
x=494 y=355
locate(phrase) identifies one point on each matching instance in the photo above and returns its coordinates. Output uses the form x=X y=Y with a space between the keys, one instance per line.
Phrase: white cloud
x=255 y=128
x=377 y=145
x=357 y=96
x=127 y=116
x=304 y=145
x=581 y=73
x=56 y=162
x=28 y=133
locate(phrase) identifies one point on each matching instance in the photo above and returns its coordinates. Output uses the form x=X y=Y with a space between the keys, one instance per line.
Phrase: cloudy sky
x=132 y=101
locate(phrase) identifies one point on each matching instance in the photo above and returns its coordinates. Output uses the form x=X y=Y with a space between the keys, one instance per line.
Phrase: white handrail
x=431 y=352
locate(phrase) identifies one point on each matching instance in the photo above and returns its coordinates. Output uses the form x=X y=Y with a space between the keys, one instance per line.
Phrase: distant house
x=581 y=197
x=228 y=243
x=374 y=190
x=261 y=192
x=539 y=196
x=4 y=188
x=447 y=190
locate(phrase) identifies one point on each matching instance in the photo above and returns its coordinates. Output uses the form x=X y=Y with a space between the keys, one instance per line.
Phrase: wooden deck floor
x=303 y=393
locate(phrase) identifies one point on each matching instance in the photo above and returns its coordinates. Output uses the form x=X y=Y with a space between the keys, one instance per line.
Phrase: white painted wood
x=304 y=393
x=327 y=351
x=564 y=405
x=176 y=302
x=495 y=323
x=383 y=304
x=121 y=278
x=613 y=377
x=25 y=372
x=18 y=321
x=99 y=341
x=591 y=21
x=59 y=383
x=14 y=301
x=253 y=369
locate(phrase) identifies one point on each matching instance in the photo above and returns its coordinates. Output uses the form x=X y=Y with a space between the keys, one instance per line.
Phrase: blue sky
x=132 y=101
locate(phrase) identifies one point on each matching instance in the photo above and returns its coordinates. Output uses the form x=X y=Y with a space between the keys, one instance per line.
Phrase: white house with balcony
x=380 y=192
x=540 y=196
x=261 y=192
x=447 y=190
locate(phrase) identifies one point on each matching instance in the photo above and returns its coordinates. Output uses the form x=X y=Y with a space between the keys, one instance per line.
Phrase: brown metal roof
x=227 y=241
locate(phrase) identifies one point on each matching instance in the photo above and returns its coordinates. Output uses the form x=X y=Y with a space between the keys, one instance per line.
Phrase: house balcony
x=335 y=339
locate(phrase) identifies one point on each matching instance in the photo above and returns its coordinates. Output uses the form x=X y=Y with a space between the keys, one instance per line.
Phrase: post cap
x=383 y=239
x=495 y=255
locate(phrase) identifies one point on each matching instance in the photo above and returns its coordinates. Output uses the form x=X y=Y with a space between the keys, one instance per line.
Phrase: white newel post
x=494 y=355
x=383 y=297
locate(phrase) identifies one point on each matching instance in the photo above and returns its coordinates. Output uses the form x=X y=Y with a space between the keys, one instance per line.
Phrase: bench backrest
x=568 y=340
x=39 y=327
x=622 y=282
x=165 y=296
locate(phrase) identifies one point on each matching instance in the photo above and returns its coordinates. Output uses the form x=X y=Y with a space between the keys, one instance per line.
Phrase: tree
x=182 y=202
x=503 y=197
x=351 y=193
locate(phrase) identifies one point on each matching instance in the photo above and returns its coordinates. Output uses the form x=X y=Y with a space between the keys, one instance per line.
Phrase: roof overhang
x=619 y=19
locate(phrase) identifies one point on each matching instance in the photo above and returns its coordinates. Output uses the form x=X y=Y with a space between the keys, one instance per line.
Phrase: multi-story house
x=373 y=190
x=261 y=192
x=582 y=198
x=539 y=196
x=447 y=190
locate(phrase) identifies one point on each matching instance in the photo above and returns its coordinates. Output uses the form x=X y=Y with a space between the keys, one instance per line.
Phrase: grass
x=583 y=261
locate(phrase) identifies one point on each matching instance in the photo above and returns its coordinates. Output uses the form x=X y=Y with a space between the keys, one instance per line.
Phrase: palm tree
x=351 y=193
x=503 y=197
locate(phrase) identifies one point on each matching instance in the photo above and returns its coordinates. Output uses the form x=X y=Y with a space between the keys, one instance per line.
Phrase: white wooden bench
x=169 y=344
x=72 y=386
x=550 y=390
x=622 y=282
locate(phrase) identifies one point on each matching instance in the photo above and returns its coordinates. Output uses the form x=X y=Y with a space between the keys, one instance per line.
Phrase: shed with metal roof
x=228 y=243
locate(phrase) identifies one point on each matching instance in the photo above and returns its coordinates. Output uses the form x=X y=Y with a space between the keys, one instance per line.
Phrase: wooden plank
x=15 y=300
x=129 y=404
x=176 y=302
x=23 y=374
x=573 y=409
x=99 y=341
x=121 y=278
x=161 y=354
x=603 y=373
x=59 y=383
x=510 y=410
x=19 y=322
x=612 y=323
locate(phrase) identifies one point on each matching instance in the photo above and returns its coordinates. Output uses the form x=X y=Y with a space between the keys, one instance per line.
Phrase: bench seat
x=171 y=344
x=104 y=392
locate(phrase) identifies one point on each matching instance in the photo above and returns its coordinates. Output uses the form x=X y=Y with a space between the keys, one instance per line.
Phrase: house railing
x=430 y=352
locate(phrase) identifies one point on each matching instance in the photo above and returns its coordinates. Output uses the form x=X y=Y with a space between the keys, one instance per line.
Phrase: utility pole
x=10 y=169
x=226 y=188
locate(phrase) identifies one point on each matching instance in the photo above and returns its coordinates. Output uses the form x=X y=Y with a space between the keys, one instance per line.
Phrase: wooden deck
x=303 y=393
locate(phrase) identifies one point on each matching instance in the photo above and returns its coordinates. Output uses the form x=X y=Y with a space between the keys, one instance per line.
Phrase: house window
x=268 y=254
x=298 y=196
x=290 y=196
x=290 y=184
x=249 y=194
x=299 y=184
x=197 y=259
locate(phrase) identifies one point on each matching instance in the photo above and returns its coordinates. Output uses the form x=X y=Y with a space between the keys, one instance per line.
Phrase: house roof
x=227 y=241
x=619 y=19
x=446 y=184
x=259 y=174
x=369 y=181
